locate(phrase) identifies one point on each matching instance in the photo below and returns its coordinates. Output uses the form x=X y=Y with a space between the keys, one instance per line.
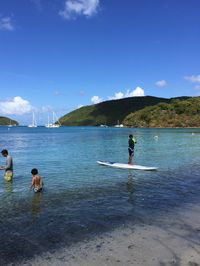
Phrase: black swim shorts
x=130 y=151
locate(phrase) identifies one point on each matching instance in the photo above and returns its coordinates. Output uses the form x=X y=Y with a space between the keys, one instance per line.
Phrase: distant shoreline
x=15 y=126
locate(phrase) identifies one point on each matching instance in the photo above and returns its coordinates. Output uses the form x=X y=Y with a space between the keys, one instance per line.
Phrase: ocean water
x=82 y=198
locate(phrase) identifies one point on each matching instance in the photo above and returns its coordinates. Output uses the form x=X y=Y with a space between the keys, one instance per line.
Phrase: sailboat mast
x=34 y=120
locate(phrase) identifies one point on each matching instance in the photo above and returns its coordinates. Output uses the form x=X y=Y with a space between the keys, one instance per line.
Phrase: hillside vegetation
x=108 y=112
x=5 y=121
x=177 y=113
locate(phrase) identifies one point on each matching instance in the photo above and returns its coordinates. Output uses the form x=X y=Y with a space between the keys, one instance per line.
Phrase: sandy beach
x=170 y=240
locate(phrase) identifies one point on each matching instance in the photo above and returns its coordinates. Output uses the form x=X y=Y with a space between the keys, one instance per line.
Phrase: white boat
x=53 y=125
x=121 y=125
x=103 y=125
x=10 y=125
x=34 y=123
x=118 y=124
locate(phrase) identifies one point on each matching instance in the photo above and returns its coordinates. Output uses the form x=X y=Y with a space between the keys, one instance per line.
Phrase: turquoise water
x=82 y=198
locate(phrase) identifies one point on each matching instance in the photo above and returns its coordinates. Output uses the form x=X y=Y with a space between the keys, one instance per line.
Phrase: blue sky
x=62 y=54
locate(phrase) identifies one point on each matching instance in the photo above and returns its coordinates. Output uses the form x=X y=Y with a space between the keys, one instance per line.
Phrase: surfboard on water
x=127 y=166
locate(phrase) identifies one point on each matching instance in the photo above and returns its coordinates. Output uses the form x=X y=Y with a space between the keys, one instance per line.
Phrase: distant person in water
x=131 y=145
x=8 y=167
x=37 y=184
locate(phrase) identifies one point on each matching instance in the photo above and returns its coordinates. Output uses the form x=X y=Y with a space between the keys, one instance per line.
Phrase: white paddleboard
x=127 y=166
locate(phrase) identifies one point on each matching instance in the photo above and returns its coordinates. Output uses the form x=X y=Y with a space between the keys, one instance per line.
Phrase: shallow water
x=82 y=198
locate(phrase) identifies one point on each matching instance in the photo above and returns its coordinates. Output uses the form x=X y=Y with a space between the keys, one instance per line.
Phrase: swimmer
x=156 y=137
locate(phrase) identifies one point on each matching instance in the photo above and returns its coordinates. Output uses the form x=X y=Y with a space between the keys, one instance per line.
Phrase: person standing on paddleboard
x=131 y=145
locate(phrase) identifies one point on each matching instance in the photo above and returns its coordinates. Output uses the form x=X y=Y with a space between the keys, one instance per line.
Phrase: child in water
x=36 y=181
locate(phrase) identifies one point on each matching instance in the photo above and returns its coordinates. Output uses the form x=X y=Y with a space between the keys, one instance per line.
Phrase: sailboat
x=53 y=125
x=34 y=123
x=118 y=124
x=10 y=125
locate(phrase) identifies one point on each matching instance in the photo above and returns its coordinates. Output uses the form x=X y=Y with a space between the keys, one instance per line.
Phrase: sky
x=59 y=55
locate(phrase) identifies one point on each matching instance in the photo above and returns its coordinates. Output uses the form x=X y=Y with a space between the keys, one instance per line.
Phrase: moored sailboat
x=34 y=123
x=53 y=125
x=118 y=124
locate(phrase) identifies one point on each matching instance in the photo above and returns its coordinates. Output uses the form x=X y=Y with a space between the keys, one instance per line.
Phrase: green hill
x=5 y=121
x=177 y=113
x=108 y=112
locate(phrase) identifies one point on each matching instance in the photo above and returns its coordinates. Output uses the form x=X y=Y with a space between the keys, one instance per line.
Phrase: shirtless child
x=36 y=181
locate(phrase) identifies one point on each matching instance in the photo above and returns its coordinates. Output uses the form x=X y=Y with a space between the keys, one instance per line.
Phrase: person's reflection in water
x=130 y=187
x=8 y=187
x=35 y=204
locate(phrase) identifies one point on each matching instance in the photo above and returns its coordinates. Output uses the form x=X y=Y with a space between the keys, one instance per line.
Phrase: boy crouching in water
x=36 y=181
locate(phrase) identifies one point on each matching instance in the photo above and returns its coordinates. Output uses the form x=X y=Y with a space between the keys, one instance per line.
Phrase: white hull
x=32 y=126
x=52 y=125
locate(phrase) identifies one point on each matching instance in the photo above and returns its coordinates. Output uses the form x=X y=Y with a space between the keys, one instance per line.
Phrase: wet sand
x=170 y=240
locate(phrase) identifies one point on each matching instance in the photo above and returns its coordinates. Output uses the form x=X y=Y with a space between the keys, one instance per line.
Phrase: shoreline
x=170 y=240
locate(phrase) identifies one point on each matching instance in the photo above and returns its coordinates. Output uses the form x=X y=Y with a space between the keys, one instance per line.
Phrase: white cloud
x=136 y=92
x=6 y=24
x=15 y=106
x=193 y=78
x=119 y=95
x=74 y=8
x=161 y=83
x=96 y=99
